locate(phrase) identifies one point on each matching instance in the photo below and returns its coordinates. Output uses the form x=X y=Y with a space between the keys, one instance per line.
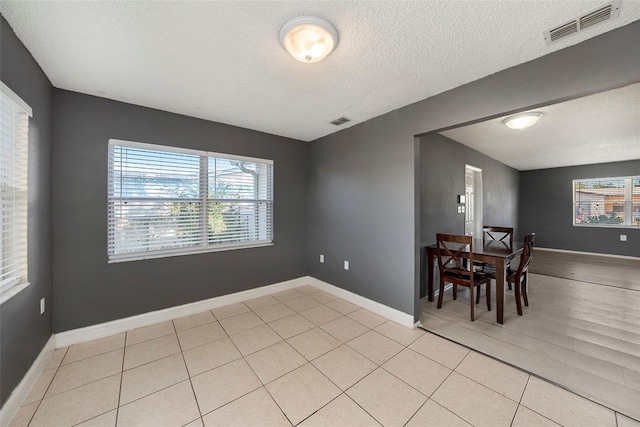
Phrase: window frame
x=203 y=199
x=12 y=285
x=627 y=201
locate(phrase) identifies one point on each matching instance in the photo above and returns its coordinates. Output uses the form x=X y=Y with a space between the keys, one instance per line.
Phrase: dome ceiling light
x=308 y=38
x=522 y=121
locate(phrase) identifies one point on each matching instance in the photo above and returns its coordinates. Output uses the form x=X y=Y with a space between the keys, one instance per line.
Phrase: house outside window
x=14 y=150
x=607 y=202
x=167 y=201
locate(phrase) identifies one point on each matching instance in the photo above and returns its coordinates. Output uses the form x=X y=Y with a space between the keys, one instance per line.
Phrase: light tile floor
x=297 y=357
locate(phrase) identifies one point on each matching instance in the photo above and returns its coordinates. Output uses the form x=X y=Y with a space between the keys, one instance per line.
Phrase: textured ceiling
x=222 y=61
x=600 y=128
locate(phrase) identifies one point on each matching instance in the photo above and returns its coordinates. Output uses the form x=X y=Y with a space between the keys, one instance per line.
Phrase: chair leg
x=518 y=297
x=441 y=294
x=471 y=301
x=524 y=289
x=478 y=295
x=509 y=285
x=488 y=287
x=455 y=291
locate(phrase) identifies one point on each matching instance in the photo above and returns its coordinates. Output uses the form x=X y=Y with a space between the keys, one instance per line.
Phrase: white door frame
x=473 y=202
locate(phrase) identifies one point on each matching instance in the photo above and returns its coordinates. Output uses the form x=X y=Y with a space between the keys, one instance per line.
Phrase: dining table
x=496 y=253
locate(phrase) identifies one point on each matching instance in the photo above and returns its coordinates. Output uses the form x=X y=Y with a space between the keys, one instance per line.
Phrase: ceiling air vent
x=602 y=14
x=340 y=121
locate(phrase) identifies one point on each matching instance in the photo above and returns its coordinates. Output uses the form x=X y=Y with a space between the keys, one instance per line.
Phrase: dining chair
x=519 y=277
x=498 y=234
x=492 y=233
x=455 y=263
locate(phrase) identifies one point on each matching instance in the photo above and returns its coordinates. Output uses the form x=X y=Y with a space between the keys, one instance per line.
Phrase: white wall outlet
x=42 y=306
x=623 y=237
x=346 y=265
x=322 y=258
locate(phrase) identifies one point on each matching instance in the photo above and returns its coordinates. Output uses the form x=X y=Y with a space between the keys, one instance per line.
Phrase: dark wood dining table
x=495 y=253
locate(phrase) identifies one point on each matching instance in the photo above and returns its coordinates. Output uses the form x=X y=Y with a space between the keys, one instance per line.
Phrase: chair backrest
x=451 y=250
x=527 y=249
x=498 y=234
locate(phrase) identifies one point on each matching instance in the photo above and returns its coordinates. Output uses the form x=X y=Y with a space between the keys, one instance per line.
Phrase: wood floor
x=609 y=271
x=582 y=332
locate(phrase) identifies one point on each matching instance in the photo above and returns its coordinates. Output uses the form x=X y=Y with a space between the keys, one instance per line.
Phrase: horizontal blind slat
x=14 y=125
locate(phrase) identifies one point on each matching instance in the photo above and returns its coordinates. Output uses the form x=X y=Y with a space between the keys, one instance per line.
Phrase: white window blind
x=167 y=201
x=607 y=202
x=14 y=126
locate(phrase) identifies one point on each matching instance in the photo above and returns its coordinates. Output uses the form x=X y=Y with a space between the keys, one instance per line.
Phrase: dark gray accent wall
x=546 y=201
x=363 y=197
x=89 y=290
x=23 y=330
x=442 y=170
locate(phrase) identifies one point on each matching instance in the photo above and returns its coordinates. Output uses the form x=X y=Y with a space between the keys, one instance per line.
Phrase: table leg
x=500 y=275
x=430 y=257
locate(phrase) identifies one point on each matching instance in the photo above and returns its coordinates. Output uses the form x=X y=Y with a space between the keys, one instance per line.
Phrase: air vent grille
x=340 y=121
x=602 y=14
x=563 y=31
x=595 y=17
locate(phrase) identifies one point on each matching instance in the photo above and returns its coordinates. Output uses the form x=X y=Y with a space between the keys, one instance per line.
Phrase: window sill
x=587 y=225
x=12 y=291
x=144 y=256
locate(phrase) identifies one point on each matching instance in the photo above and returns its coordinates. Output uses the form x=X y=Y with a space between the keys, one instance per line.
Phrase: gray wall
x=23 y=330
x=364 y=203
x=90 y=291
x=442 y=167
x=546 y=201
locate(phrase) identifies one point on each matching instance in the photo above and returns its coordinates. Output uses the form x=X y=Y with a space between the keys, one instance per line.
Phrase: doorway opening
x=473 y=201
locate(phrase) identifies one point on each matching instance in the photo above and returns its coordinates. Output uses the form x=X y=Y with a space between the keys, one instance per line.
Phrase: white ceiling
x=599 y=128
x=222 y=61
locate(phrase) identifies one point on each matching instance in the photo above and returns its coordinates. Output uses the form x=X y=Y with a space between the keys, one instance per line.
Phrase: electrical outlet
x=346 y=265
x=623 y=237
x=322 y=258
x=42 y=306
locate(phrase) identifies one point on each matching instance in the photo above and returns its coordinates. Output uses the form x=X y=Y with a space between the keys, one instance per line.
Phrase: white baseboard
x=80 y=335
x=13 y=403
x=635 y=258
x=385 y=311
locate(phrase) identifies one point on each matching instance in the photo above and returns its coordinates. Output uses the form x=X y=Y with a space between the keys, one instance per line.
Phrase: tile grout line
x=45 y=392
x=124 y=350
x=186 y=368
x=532 y=410
x=520 y=401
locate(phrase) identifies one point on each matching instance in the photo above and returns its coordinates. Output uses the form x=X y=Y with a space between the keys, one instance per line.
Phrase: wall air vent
x=602 y=14
x=340 y=121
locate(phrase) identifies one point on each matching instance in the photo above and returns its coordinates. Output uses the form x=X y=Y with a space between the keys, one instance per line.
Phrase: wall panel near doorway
x=442 y=169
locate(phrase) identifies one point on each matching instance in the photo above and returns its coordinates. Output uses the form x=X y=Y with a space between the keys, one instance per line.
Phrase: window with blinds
x=607 y=202
x=166 y=201
x=14 y=126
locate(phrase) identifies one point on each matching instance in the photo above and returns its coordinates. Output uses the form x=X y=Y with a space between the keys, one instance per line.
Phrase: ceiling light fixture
x=308 y=38
x=521 y=121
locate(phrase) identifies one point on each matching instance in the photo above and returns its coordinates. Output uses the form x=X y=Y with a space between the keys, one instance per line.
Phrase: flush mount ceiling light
x=308 y=38
x=522 y=121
